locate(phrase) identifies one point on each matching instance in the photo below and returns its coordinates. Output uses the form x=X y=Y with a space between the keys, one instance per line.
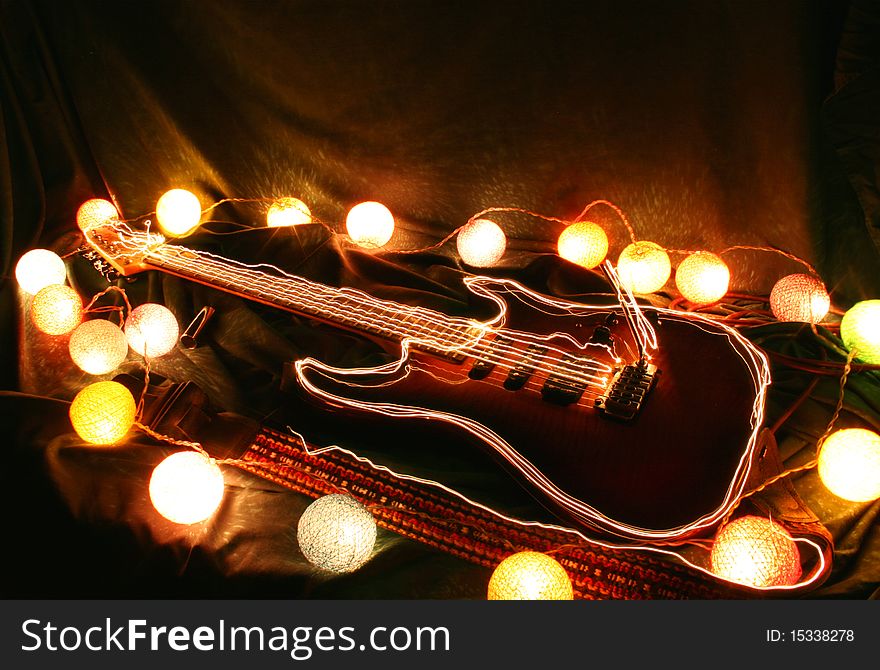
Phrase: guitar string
x=482 y=350
x=574 y=374
x=485 y=350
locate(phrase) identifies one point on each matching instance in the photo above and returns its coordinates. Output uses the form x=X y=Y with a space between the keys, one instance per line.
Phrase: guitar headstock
x=124 y=248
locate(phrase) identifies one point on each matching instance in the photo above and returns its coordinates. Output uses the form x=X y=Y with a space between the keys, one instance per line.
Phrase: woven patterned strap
x=429 y=515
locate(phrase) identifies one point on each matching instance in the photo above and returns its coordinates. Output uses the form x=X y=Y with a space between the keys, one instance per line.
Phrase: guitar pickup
x=628 y=391
x=522 y=371
x=563 y=389
x=483 y=367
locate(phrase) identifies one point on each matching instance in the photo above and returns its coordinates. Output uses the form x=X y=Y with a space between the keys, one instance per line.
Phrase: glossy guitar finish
x=669 y=472
x=646 y=448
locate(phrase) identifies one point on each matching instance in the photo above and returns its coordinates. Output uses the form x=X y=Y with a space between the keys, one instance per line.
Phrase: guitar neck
x=346 y=308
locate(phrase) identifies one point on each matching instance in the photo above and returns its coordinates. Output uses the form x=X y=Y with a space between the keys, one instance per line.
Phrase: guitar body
x=671 y=471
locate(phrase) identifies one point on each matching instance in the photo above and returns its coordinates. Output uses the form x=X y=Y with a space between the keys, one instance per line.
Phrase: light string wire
x=626 y=223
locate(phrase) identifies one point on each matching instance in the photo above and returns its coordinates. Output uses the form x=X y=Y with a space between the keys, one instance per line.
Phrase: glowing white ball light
x=39 y=268
x=336 y=533
x=481 y=243
x=584 y=243
x=860 y=330
x=800 y=297
x=178 y=212
x=643 y=267
x=849 y=464
x=529 y=575
x=187 y=487
x=103 y=412
x=151 y=330
x=755 y=551
x=98 y=346
x=370 y=224
x=94 y=213
x=56 y=309
x=702 y=278
x=288 y=212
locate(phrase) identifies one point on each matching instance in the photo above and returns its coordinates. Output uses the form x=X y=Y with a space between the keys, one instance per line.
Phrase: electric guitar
x=633 y=421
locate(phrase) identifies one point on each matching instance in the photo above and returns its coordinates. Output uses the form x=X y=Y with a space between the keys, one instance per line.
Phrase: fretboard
x=348 y=308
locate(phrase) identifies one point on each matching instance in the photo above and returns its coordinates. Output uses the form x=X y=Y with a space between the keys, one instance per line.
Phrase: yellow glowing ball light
x=98 y=346
x=288 y=212
x=151 y=330
x=39 y=268
x=799 y=297
x=336 y=533
x=849 y=464
x=481 y=243
x=860 y=330
x=584 y=243
x=530 y=575
x=102 y=413
x=755 y=551
x=56 y=309
x=94 y=213
x=702 y=278
x=370 y=224
x=644 y=267
x=178 y=212
x=187 y=487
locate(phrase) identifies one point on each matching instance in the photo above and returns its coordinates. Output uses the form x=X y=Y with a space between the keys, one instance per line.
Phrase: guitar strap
x=446 y=522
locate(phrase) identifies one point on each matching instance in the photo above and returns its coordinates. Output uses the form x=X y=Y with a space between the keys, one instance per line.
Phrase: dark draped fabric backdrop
x=711 y=124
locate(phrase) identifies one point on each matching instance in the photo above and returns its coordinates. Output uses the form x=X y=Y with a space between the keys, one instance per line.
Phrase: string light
x=95 y=213
x=644 y=267
x=799 y=297
x=98 y=346
x=288 y=212
x=583 y=243
x=39 y=268
x=849 y=464
x=102 y=413
x=481 y=243
x=755 y=551
x=186 y=487
x=336 y=533
x=702 y=278
x=370 y=224
x=530 y=575
x=860 y=330
x=56 y=309
x=152 y=330
x=178 y=212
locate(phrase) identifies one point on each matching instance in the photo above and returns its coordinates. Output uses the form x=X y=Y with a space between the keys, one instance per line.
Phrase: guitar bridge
x=627 y=391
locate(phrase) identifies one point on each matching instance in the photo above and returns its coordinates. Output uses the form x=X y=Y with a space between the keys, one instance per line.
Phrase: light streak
x=417 y=327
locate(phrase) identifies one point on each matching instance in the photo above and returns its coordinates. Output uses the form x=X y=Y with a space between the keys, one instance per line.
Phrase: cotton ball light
x=103 y=412
x=702 y=278
x=755 y=551
x=583 y=243
x=643 y=267
x=370 y=224
x=98 y=346
x=799 y=297
x=186 y=487
x=288 y=212
x=530 y=575
x=56 y=309
x=39 y=268
x=95 y=213
x=151 y=330
x=336 y=533
x=178 y=212
x=849 y=464
x=860 y=330
x=481 y=243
